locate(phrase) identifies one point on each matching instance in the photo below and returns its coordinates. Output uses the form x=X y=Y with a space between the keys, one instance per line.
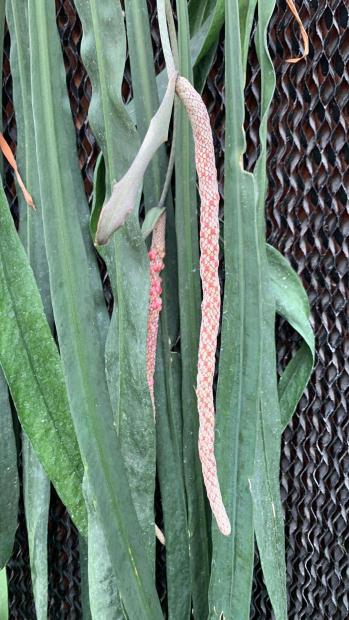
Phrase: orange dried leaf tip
x=304 y=34
x=11 y=160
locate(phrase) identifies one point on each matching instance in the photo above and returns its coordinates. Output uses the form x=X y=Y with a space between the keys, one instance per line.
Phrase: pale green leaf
x=3 y=595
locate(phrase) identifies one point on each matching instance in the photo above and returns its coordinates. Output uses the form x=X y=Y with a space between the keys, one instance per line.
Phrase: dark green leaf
x=189 y=304
x=32 y=367
x=238 y=391
x=9 y=484
x=268 y=517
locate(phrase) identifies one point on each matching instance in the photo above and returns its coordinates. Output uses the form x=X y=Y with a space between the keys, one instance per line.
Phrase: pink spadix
x=211 y=302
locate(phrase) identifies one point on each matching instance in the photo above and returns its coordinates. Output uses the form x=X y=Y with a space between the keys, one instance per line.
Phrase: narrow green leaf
x=9 y=484
x=78 y=303
x=84 y=589
x=145 y=95
x=104 y=597
x=36 y=485
x=37 y=502
x=292 y=303
x=171 y=477
x=189 y=304
x=31 y=364
x=268 y=517
x=197 y=12
x=265 y=485
x=3 y=595
x=99 y=192
x=2 y=35
x=167 y=375
x=211 y=29
x=238 y=391
x=247 y=10
x=204 y=42
x=104 y=53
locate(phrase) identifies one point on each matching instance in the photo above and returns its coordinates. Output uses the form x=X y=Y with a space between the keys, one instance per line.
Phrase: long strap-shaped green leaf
x=104 y=597
x=77 y=304
x=239 y=365
x=189 y=304
x=104 y=53
x=9 y=484
x=268 y=517
x=30 y=360
x=292 y=303
x=36 y=485
x=167 y=385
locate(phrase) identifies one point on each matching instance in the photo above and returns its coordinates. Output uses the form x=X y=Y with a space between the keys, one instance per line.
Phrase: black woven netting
x=308 y=221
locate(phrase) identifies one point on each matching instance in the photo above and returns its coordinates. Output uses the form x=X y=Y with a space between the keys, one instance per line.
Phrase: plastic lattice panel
x=308 y=221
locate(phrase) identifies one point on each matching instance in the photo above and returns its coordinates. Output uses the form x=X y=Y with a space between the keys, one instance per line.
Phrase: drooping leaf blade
x=292 y=303
x=77 y=304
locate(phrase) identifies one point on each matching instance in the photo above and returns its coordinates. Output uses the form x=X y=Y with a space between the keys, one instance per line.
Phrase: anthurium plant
x=108 y=403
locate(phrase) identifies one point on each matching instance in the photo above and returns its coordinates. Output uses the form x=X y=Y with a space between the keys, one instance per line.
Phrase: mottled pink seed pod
x=209 y=253
x=156 y=258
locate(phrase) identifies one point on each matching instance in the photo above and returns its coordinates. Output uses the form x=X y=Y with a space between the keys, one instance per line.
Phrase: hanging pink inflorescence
x=156 y=257
x=209 y=259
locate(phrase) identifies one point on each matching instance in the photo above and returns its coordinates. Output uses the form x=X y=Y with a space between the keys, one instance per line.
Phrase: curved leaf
x=292 y=303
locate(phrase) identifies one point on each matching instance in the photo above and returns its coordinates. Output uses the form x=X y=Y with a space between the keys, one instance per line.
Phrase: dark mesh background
x=308 y=221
